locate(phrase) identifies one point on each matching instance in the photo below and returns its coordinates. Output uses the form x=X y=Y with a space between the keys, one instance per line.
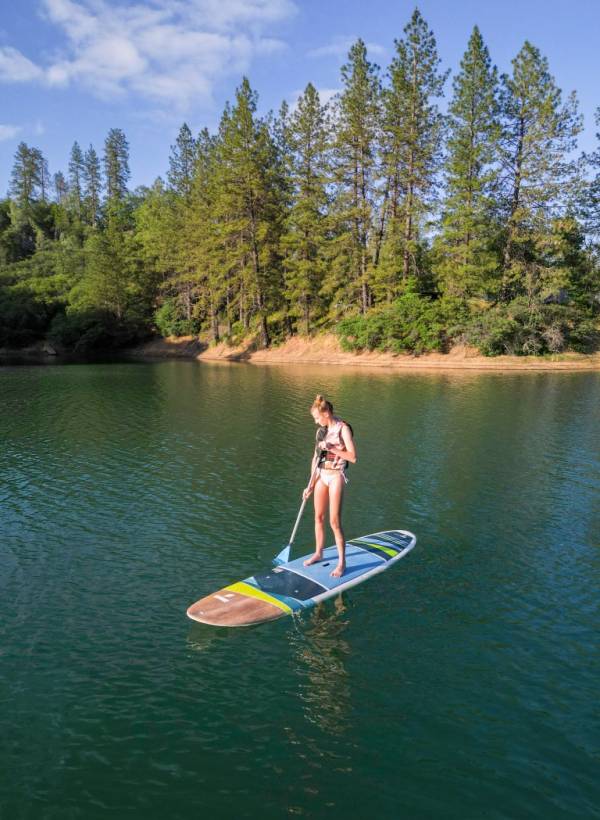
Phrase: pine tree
x=413 y=129
x=466 y=256
x=116 y=164
x=76 y=172
x=249 y=208
x=26 y=176
x=305 y=241
x=540 y=181
x=61 y=188
x=181 y=162
x=589 y=205
x=43 y=173
x=92 y=186
x=205 y=251
x=357 y=119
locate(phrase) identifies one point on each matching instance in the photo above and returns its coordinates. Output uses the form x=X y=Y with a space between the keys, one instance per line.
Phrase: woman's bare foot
x=314 y=559
x=338 y=571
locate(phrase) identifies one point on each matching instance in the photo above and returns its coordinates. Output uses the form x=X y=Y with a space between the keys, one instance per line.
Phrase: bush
x=170 y=322
x=523 y=329
x=411 y=323
x=85 y=330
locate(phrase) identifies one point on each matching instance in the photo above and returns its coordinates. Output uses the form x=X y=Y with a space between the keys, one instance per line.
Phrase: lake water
x=463 y=683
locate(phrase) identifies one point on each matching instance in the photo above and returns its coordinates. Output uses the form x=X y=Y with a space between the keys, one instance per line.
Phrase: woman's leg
x=336 y=494
x=321 y=497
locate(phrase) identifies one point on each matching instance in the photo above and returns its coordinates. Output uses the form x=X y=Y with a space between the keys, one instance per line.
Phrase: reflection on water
x=321 y=650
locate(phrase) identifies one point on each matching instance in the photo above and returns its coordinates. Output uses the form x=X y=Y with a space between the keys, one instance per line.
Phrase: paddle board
x=291 y=586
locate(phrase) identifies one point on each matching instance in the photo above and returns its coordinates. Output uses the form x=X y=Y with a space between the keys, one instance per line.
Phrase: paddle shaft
x=302 y=506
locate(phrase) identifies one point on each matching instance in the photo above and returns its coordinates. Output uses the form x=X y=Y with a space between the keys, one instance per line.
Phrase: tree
x=26 y=176
x=413 y=129
x=92 y=186
x=305 y=241
x=465 y=251
x=249 y=208
x=76 y=172
x=181 y=162
x=356 y=126
x=61 y=188
x=539 y=180
x=116 y=164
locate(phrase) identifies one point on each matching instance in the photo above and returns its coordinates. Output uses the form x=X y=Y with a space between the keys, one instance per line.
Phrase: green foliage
x=91 y=329
x=170 y=321
x=411 y=323
x=525 y=329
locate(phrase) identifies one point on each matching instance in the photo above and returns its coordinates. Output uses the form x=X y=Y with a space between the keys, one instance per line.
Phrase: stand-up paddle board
x=291 y=586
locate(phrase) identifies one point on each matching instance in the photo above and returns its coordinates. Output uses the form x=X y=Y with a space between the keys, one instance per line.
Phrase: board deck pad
x=292 y=586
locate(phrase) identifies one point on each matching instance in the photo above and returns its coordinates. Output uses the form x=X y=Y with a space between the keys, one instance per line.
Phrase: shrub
x=411 y=323
x=170 y=321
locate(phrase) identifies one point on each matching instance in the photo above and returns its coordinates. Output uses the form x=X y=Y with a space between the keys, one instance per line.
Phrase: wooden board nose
x=228 y=608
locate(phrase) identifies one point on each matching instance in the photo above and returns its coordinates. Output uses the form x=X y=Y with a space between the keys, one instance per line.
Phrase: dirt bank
x=325 y=349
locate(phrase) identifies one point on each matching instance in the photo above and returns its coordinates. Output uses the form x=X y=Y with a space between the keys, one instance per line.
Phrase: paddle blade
x=283 y=557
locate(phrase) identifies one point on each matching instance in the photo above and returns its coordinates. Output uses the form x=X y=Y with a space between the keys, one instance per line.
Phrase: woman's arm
x=313 y=478
x=349 y=454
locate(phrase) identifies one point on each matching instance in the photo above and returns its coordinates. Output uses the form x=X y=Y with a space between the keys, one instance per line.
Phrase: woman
x=334 y=449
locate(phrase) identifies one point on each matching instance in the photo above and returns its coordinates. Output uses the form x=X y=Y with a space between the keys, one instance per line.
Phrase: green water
x=461 y=684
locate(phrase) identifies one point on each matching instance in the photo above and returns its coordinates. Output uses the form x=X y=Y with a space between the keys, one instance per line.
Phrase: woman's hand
x=307 y=492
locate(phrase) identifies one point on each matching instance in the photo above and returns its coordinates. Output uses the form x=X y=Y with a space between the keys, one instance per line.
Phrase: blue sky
x=72 y=69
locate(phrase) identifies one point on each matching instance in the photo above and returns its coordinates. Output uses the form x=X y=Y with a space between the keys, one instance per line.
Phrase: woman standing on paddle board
x=334 y=449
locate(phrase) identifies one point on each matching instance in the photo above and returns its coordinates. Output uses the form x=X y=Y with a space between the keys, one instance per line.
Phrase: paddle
x=284 y=556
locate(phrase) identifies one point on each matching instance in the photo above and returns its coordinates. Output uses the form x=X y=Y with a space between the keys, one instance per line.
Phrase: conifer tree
x=43 y=173
x=305 y=241
x=92 y=186
x=466 y=256
x=181 y=162
x=249 y=207
x=76 y=172
x=590 y=201
x=412 y=144
x=25 y=177
x=357 y=118
x=116 y=164
x=540 y=181
x=203 y=245
x=60 y=188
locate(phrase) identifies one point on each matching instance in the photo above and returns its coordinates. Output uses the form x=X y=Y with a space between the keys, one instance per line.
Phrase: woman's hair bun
x=321 y=404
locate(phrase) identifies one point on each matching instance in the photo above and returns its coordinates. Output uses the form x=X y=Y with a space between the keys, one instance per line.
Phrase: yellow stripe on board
x=253 y=592
x=379 y=547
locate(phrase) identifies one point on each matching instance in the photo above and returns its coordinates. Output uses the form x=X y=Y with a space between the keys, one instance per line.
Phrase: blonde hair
x=322 y=405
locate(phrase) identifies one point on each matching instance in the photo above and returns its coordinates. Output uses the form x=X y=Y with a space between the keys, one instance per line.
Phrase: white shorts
x=329 y=476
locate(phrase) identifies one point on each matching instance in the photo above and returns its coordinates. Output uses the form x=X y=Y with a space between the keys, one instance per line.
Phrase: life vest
x=332 y=435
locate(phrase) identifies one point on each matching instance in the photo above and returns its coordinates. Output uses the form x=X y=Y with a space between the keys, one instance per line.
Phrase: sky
x=72 y=69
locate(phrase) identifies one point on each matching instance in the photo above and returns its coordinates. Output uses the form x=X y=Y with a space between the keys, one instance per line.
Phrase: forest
x=374 y=215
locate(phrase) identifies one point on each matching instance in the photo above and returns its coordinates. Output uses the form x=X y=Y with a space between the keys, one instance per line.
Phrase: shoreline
x=326 y=350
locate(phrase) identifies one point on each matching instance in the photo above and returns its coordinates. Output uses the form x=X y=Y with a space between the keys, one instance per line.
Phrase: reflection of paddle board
x=292 y=586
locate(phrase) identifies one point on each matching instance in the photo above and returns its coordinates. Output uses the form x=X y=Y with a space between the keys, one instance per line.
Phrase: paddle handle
x=302 y=506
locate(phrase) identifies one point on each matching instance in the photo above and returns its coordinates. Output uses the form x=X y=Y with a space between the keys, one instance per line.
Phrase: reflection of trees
x=322 y=651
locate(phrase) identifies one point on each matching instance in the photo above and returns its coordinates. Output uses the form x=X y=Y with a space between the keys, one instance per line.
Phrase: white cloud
x=340 y=45
x=9 y=132
x=16 y=68
x=171 y=52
